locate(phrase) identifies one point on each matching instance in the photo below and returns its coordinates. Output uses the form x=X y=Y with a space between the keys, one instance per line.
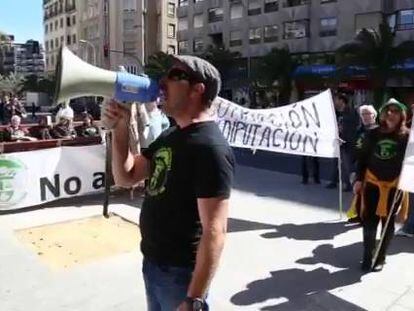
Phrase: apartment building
x=254 y=27
x=21 y=58
x=110 y=33
x=60 y=29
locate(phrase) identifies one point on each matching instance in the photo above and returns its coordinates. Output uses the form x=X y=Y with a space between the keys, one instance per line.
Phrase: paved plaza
x=287 y=249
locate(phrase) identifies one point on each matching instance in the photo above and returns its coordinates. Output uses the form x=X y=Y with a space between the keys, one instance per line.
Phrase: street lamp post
x=93 y=49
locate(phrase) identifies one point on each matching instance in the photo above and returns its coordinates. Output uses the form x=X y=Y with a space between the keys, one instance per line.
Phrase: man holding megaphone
x=190 y=168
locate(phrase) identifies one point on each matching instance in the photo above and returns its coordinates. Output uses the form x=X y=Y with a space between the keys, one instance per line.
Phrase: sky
x=22 y=18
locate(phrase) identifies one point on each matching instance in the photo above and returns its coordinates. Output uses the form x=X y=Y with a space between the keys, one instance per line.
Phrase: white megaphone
x=76 y=78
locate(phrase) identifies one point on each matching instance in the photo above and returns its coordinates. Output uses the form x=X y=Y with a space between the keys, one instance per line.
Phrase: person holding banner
x=378 y=169
x=190 y=168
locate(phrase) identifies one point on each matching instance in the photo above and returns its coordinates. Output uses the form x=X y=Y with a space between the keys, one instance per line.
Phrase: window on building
x=128 y=23
x=61 y=40
x=74 y=39
x=68 y=21
x=271 y=33
x=255 y=7
x=182 y=24
x=198 y=45
x=130 y=47
x=196 y=1
x=68 y=40
x=236 y=38
x=369 y=21
x=215 y=15
x=405 y=20
x=183 y=47
x=236 y=10
x=171 y=49
x=171 y=9
x=328 y=27
x=255 y=35
x=46 y=28
x=56 y=42
x=182 y=3
x=392 y=21
x=271 y=6
x=328 y=1
x=52 y=60
x=51 y=27
x=51 y=44
x=74 y=20
x=47 y=61
x=171 y=31
x=47 y=46
x=61 y=22
x=198 y=20
x=291 y=3
x=56 y=24
x=296 y=29
x=129 y=5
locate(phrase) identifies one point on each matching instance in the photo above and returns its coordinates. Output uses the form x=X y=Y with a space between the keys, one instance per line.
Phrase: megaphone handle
x=108 y=158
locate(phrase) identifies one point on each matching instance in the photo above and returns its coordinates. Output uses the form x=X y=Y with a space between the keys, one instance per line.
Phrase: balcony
x=70 y=8
x=293 y=3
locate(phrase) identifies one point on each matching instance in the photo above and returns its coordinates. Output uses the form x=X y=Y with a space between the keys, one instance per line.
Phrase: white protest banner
x=35 y=177
x=407 y=173
x=307 y=127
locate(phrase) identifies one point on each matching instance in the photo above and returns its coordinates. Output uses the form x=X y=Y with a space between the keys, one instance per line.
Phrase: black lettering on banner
x=239 y=126
x=313 y=142
x=72 y=181
x=285 y=139
x=53 y=188
x=295 y=120
x=221 y=113
x=226 y=129
x=274 y=137
x=98 y=180
x=247 y=134
x=273 y=120
x=255 y=128
x=292 y=140
x=266 y=137
x=314 y=116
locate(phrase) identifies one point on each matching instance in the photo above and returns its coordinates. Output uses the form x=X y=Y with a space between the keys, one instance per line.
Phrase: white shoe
x=401 y=232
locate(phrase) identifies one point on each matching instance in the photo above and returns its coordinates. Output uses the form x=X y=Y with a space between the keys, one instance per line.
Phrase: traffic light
x=106 y=50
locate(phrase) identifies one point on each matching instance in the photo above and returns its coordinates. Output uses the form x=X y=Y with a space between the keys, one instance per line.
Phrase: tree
x=375 y=51
x=226 y=62
x=158 y=64
x=277 y=67
x=13 y=83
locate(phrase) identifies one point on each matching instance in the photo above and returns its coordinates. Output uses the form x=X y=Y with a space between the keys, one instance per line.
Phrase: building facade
x=254 y=27
x=60 y=24
x=22 y=58
x=111 y=33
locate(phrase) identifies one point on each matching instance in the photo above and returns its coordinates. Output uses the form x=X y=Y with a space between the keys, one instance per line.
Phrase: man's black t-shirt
x=186 y=164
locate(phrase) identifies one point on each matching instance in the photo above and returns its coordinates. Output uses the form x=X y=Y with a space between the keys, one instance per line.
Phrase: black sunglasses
x=177 y=74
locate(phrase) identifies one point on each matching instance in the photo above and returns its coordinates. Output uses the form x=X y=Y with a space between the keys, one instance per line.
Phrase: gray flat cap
x=204 y=71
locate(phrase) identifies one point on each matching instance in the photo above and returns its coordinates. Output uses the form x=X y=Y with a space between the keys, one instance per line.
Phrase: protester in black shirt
x=378 y=169
x=190 y=168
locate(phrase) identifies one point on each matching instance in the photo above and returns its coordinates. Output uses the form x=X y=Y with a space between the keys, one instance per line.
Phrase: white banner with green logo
x=407 y=173
x=35 y=177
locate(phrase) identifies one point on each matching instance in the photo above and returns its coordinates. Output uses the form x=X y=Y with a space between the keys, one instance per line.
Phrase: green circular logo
x=13 y=181
x=386 y=149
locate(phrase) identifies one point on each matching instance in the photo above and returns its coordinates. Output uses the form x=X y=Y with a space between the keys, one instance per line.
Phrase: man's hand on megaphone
x=114 y=113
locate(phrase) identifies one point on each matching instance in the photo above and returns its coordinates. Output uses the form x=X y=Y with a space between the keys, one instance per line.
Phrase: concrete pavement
x=286 y=250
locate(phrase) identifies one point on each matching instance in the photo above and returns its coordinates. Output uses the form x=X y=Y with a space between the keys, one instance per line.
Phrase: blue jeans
x=166 y=286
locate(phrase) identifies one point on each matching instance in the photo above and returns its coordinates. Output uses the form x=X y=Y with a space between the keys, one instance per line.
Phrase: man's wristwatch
x=196 y=304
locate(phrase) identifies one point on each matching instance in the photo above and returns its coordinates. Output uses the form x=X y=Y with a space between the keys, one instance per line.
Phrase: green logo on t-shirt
x=386 y=149
x=161 y=165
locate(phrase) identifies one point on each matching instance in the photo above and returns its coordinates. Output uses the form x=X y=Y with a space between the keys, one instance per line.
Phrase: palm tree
x=376 y=52
x=13 y=83
x=278 y=67
x=158 y=64
x=224 y=60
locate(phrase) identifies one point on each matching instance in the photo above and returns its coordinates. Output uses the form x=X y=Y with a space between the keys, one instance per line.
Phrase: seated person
x=16 y=132
x=43 y=129
x=63 y=129
x=87 y=129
